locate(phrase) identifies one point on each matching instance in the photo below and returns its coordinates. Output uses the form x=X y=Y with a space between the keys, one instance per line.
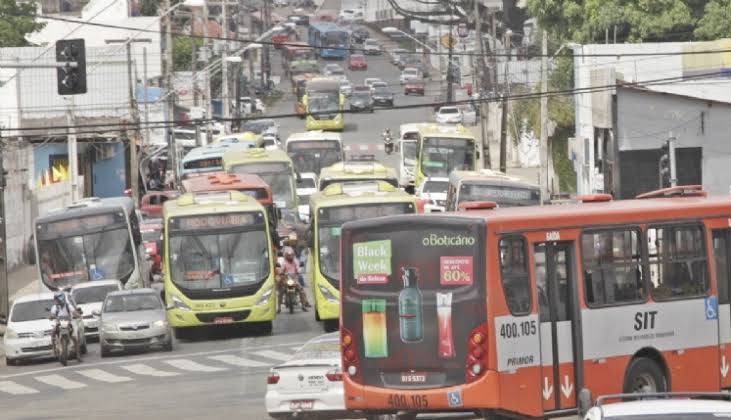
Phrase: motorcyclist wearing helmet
x=63 y=308
x=289 y=267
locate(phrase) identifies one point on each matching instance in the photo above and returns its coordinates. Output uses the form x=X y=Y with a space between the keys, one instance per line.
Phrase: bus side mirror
x=477 y=154
x=309 y=237
x=3 y=320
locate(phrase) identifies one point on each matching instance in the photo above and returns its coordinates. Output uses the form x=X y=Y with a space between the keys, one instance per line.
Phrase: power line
x=361 y=50
x=513 y=97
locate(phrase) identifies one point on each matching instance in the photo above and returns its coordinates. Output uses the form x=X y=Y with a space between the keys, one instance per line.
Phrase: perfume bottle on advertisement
x=409 y=308
x=444 y=319
x=374 y=328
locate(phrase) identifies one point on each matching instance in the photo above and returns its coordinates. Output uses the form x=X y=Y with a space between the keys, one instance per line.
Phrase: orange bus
x=517 y=311
x=248 y=184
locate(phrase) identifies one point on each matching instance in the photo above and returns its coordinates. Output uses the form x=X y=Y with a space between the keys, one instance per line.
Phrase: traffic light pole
x=673 y=173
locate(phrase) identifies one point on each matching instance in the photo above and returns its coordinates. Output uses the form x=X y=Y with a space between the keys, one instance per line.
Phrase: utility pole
x=172 y=147
x=225 y=97
x=504 y=111
x=209 y=104
x=480 y=86
x=147 y=105
x=543 y=144
x=4 y=292
x=71 y=149
x=194 y=62
x=265 y=66
x=450 y=69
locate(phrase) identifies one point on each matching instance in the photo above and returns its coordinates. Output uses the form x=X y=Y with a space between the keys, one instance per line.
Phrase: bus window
x=516 y=283
x=677 y=260
x=721 y=255
x=612 y=261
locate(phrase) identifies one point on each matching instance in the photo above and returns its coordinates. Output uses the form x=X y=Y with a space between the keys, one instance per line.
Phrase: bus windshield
x=67 y=260
x=322 y=102
x=335 y=39
x=218 y=258
x=311 y=156
x=328 y=233
x=279 y=177
x=504 y=196
x=440 y=156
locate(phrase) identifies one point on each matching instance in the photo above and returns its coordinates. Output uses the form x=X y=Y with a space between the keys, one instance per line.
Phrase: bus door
x=554 y=272
x=722 y=258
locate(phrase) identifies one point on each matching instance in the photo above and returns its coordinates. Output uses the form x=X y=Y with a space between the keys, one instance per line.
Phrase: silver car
x=134 y=319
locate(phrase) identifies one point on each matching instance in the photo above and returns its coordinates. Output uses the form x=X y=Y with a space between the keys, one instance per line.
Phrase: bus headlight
x=179 y=304
x=264 y=298
x=328 y=294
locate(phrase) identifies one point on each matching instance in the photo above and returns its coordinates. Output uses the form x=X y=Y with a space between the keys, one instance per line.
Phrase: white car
x=409 y=74
x=347 y=16
x=369 y=81
x=310 y=383
x=345 y=87
x=434 y=191
x=332 y=70
x=371 y=47
x=448 y=115
x=469 y=114
x=28 y=330
x=306 y=186
x=89 y=297
x=270 y=141
x=662 y=407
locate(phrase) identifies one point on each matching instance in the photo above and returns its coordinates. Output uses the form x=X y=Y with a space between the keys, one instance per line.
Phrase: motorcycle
x=388 y=143
x=62 y=339
x=291 y=294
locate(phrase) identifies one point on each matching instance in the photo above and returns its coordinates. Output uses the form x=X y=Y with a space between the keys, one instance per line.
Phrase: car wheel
x=11 y=362
x=169 y=345
x=83 y=346
x=644 y=375
x=105 y=351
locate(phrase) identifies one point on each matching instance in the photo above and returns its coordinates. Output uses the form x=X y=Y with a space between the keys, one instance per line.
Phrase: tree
x=183 y=52
x=17 y=20
x=149 y=7
x=715 y=22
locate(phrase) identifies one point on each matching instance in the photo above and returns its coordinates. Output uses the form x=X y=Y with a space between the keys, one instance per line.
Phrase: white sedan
x=310 y=383
x=448 y=115
x=434 y=191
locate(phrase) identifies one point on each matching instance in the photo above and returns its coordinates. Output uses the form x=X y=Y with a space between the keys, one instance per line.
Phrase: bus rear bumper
x=482 y=394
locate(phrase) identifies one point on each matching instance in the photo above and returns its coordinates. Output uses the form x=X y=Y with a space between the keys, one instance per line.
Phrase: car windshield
x=306 y=183
x=68 y=260
x=330 y=220
x=436 y=186
x=219 y=258
x=449 y=111
x=357 y=58
x=381 y=90
x=132 y=303
x=92 y=294
x=277 y=174
x=31 y=310
x=440 y=156
x=359 y=94
x=371 y=42
x=410 y=72
x=258 y=127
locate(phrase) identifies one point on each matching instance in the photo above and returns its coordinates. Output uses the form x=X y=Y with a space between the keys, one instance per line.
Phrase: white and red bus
x=517 y=310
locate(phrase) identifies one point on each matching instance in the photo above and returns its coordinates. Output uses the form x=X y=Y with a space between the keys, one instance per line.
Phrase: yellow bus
x=330 y=208
x=324 y=105
x=443 y=149
x=218 y=261
x=354 y=171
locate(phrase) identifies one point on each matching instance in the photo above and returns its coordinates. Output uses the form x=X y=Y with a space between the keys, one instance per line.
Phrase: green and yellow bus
x=443 y=149
x=355 y=171
x=330 y=208
x=273 y=166
x=218 y=261
x=324 y=105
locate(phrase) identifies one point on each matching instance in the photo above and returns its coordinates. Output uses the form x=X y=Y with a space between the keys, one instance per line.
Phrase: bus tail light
x=477 y=353
x=349 y=351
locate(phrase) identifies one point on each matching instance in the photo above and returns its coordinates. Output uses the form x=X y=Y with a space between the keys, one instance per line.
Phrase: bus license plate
x=408 y=401
x=223 y=320
x=301 y=405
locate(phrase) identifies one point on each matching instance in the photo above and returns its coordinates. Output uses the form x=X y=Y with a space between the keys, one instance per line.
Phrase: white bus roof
x=315 y=135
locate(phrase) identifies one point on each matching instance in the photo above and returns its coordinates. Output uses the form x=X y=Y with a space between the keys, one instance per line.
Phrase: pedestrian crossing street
x=79 y=376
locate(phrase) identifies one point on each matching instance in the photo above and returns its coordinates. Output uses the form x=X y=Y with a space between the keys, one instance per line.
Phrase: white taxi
x=310 y=384
x=662 y=406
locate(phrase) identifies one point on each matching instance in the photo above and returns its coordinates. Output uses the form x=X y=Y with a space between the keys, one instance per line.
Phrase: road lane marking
x=272 y=354
x=189 y=365
x=150 y=358
x=103 y=376
x=10 y=387
x=145 y=370
x=60 y=381
x=238 y=361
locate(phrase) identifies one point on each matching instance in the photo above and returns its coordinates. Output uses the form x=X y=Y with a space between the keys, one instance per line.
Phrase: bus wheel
x=644 y=375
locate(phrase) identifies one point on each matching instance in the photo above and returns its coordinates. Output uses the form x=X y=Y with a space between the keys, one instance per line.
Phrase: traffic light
x=664 y=166
x=71 y=78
